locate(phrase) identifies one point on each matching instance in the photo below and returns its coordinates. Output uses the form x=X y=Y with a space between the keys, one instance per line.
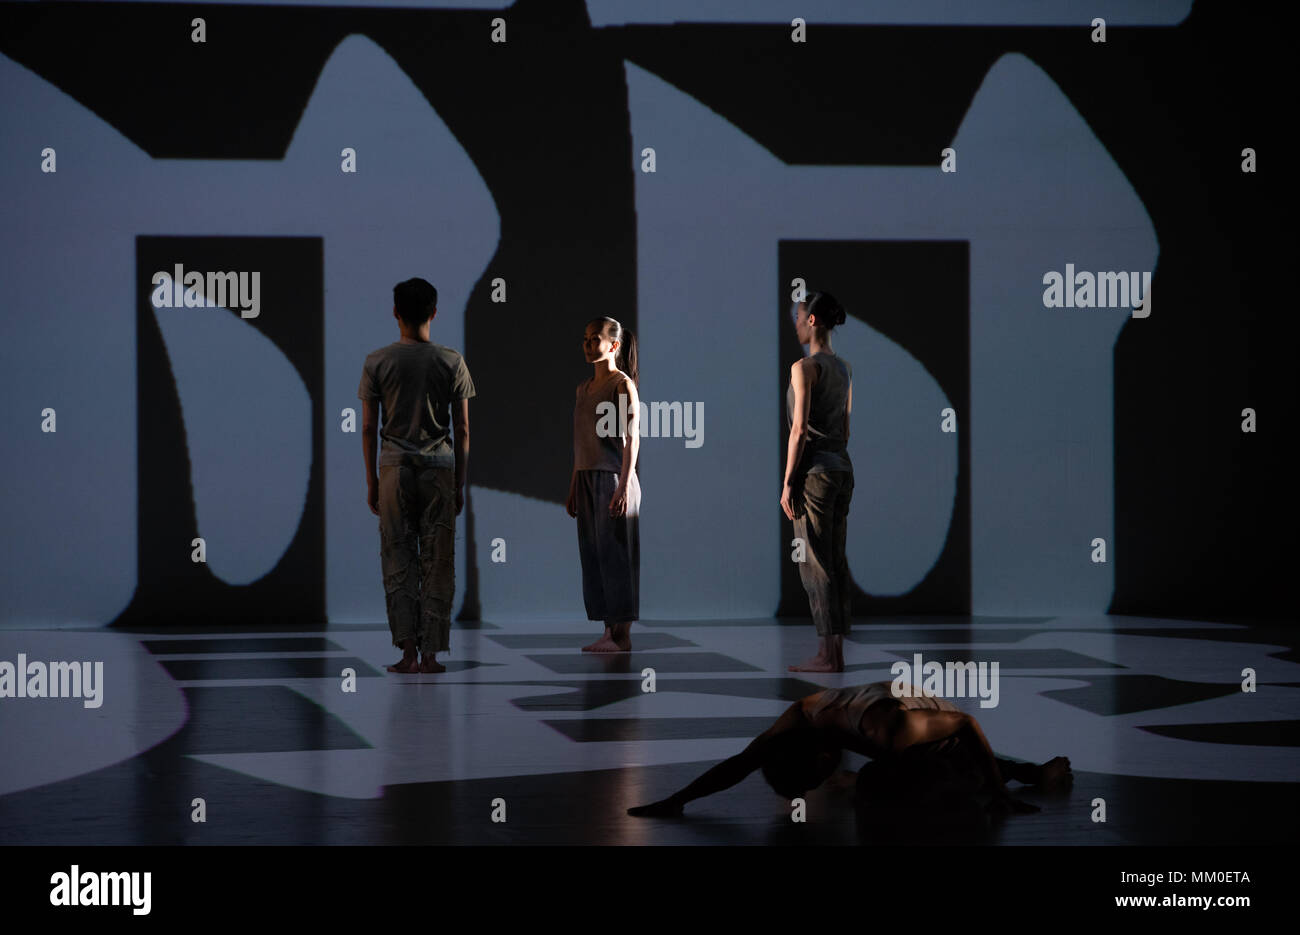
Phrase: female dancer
x=819 y=476
x=802 y=749
x=604 y=493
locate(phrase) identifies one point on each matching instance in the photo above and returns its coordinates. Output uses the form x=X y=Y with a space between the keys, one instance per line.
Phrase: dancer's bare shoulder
x=805 y=366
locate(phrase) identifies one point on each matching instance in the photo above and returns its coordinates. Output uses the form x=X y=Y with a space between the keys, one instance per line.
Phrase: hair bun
x=828 y=308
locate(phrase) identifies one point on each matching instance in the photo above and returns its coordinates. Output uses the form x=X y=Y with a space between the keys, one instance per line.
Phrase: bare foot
x=622 y=637
x=607 y=645
x=1055 y=772
x=407 y=666
x=429 y=665
x=591 y=647
x=664 y=809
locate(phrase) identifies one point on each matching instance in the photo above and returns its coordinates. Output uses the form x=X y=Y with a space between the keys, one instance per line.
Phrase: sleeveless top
x=597 y=434
x=826 y=448
x=855 y=699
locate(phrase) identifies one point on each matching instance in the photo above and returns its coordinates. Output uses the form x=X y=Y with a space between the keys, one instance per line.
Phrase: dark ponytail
x=625 y=359
x=827 y=308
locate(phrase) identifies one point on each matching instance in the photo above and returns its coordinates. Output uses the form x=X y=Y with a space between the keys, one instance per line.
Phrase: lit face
x=802 y=327
x=596 y=345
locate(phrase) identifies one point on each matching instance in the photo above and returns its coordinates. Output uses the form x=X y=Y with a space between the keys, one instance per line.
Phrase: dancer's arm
x=460 y=434
x=848 y=408
x=631 y=445
x=727 y=773
x=369 y=449
x=922 y=726
x=801 y=386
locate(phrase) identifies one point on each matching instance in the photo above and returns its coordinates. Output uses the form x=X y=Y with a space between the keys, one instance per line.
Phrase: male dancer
x=802 y=749
x=419 y=488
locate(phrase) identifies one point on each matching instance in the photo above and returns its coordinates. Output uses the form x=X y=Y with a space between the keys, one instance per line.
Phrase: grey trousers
x=821 y=510
x=417 y=535
x=609 y=547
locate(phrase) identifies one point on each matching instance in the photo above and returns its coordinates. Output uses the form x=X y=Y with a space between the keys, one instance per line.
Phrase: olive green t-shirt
x=415 y=384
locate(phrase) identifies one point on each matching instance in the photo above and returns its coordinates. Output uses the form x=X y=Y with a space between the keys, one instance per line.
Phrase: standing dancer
x=420 y=486
x=604 y=493
x=819 y=476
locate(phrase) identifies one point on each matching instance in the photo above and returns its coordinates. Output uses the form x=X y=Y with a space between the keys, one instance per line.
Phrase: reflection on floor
x=263 y=727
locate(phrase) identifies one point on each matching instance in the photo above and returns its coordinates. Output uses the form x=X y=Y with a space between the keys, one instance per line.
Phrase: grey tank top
x=597 y=434
x=826 y=448
x=855 y=699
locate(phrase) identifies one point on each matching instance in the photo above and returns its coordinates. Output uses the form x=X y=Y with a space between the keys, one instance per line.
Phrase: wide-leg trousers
x=417 y=535
x=821 y=509
x=609 y=548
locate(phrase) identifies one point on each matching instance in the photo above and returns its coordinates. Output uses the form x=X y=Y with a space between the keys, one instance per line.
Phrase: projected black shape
x=1249 y=733
x=233 y=719
x=916 y=294
x=595 y=663
x=171 y=590
x=1113 y=695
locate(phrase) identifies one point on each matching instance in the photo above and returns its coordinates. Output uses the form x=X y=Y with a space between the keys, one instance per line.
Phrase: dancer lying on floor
x=802 y=749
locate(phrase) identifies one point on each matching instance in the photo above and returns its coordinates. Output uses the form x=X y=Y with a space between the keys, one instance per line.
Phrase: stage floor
x=258 y=725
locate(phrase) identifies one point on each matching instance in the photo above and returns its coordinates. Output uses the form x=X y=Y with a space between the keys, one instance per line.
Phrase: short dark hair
x=414 y=299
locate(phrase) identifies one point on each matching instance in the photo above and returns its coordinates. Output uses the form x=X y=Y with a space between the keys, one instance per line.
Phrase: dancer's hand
x=372 y=497
x=666 y=808
x=460 y=499
x=787 y=501
x=618 y=503
x=571 y=504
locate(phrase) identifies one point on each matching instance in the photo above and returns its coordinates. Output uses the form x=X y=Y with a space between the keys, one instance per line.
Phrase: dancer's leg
x=437 y=564
x=400 y=562
x=619 y=552
x=842 y=600
x=593 y=593
x=814 y=524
